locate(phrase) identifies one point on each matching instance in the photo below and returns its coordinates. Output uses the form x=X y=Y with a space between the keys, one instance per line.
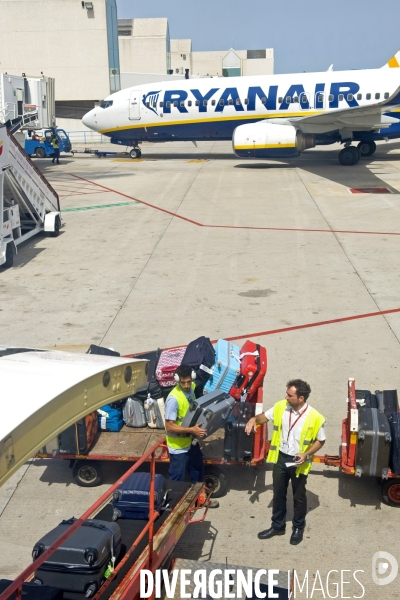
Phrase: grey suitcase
x=373 y=446
x=134 y=414
x=211 y=411
x=155 y=413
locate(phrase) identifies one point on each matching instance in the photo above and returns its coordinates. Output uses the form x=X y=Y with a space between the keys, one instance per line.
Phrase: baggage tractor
x=80 y=563
x=387 y=401
x=226 y=367
x=253 y=367
x=366 y=398
x=93 y=349
x=211 y=411
x=33 y=591
x=169 y=361
x=373 y=447
x=132 y=499
x=155 y=412
x=238 y=446
x=79 y=437
x=394 y=421
x=200 y=355
x=134 y=414
x=112 y=420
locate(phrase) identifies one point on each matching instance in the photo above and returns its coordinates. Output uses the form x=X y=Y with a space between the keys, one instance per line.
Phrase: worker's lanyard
x=290 y=420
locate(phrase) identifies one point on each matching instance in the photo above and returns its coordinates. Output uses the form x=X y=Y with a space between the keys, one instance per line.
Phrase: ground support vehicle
x=28 y=203
x=40 y=145
x=130 y=444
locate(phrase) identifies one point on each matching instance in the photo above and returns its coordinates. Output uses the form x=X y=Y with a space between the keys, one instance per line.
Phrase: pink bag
x=168 y=363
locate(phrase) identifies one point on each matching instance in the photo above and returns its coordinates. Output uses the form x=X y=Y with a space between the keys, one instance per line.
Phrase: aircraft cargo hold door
x=134 y=105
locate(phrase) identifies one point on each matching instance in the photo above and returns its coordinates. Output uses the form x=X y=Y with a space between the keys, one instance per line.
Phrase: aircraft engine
x=270 y=140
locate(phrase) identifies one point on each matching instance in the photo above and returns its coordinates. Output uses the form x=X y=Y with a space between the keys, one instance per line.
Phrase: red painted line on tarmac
x=378 y=313
x=169 y=212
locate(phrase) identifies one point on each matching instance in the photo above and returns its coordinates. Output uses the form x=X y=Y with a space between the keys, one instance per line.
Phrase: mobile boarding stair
x=28 y=203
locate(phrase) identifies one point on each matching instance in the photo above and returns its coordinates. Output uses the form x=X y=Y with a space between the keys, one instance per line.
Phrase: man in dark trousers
x=298 y=433
x=183 y=455
x=56 y=149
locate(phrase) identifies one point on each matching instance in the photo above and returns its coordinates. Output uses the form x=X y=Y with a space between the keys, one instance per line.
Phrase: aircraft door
x=134 y=104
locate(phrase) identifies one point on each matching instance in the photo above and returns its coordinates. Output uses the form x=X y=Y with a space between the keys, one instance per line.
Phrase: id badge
x=285 y=447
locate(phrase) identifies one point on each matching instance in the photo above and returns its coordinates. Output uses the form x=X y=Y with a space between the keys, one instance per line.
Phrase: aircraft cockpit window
x=106 y=103
x=288 y=99
x=212 y=102
x=330 y=97
x=230 y=101
x=377 y=96
x=197 y=103
x=350 y=97
x=341 y=97
x=359 y=96
x=205 y=102
x=368 y=96
x=221 y=102
x=189 y=103
x=386 y=96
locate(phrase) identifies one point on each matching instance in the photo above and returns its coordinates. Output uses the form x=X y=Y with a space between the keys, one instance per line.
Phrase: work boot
x=271 y=532
x=297 y=536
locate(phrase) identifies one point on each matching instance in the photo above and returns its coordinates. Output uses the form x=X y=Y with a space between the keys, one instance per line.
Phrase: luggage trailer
x=130 y=444
x=148 y=544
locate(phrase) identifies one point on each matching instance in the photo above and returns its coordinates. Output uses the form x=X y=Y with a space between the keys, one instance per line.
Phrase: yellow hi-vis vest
x=314 y=420
x=179 y=441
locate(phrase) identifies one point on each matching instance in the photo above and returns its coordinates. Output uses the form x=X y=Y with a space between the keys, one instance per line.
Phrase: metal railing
x=87 y=137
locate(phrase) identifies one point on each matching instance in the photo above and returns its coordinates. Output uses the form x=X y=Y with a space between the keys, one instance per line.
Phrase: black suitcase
x=93 y=349
x=387 y=401
x=365 y=398
x=79 y=437
x=33 y=591
x=373 y=447
x=238 y=445
x=394 y=421
x=200 y=355
x=80 y=563
x=153 y=387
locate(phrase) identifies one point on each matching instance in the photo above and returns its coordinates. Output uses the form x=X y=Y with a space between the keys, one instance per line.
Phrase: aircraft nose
x=89 y=120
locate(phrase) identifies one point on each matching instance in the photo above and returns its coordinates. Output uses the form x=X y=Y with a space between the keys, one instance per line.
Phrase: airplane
x=270 y=116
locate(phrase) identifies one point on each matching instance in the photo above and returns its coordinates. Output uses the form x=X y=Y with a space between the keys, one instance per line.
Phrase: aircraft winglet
x=394 y=62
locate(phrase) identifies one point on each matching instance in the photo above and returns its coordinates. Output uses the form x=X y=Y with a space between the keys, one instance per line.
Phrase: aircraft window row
x=106 y=103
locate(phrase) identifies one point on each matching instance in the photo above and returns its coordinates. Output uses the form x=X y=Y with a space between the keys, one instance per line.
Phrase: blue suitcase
x=114 y=421
x=132 y=499
x=226 y=367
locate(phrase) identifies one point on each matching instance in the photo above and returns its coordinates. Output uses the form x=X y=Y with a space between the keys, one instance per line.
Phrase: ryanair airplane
x=274 y=116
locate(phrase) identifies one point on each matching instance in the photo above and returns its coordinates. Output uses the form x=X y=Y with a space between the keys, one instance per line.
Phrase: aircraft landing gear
x=349 y=156
x=135 y=153
x=366 y=148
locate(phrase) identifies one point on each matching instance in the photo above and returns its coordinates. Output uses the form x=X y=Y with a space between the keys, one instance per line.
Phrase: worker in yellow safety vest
x=56 y=148
x=298 y=433
x=183 y=455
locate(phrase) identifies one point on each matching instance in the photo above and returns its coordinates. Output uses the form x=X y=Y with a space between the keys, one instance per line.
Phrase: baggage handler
x=183 y=455
x=298 y=433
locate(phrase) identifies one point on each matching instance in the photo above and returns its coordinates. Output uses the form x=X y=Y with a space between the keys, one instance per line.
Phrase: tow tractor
x=39 y=144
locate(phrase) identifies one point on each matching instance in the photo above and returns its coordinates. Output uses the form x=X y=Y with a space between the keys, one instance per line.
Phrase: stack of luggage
x=378 y=445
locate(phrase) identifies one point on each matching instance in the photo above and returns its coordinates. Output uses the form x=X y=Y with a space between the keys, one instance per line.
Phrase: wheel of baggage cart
x=215 y=481
x=391 y=492
x=87 y=473
x=40 y=152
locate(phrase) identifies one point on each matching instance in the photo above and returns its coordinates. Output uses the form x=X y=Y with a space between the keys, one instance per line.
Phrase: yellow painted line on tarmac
x=128 y=159
x=198 y=160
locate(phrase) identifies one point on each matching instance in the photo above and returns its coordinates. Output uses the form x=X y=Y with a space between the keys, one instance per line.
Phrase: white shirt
x=290 y=442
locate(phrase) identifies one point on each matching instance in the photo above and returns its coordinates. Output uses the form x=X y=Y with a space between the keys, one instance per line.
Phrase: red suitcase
x=253 y=366
x=168 y=363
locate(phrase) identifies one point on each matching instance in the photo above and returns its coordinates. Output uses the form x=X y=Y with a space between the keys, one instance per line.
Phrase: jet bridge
x=28 y=203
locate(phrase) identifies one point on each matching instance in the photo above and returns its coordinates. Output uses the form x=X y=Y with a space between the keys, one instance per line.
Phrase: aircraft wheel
x=135 y=153
x=366 y=148
x=349 y=156
x=40 y=152
x=9 y=257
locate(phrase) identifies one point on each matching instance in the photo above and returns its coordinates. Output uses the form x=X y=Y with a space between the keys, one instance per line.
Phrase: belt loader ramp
x=28 y=203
